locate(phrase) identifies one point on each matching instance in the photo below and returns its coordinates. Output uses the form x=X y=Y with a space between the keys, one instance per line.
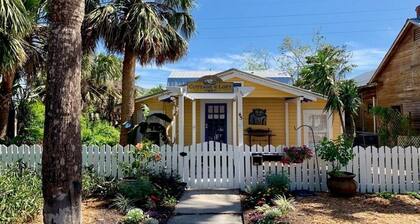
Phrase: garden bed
x=363 y=208
x=94 y=211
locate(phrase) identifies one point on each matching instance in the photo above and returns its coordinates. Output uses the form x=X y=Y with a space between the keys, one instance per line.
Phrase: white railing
x=209 y=165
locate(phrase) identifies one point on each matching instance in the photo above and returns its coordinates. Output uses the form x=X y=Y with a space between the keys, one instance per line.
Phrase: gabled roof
x=199 y=74
x=363 y=79
x=231 y=73
x=178 y=78
x=228 y=74
x=407 y=26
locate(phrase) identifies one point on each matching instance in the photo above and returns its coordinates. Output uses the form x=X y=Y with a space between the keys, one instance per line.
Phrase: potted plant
x=296 y=154
x=339 y=152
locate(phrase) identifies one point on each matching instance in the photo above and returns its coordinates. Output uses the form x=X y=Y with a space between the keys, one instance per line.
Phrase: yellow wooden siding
x=261 y=91
x=315 y=105
x=275 y=117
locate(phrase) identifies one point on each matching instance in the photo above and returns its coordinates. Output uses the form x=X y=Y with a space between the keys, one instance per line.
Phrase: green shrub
x=414 y=194
x=99 y=132
x=97 y=186
x=386 y=195
x=134 y=216
x=256 y=194
x=278 y=183
x=33 y=124
x=169 y=201
x=339 y=152
x=122 y=204
x=20 y=194
x=266 y=214
x=138 y=189
x=284 y=204
x=93 y=132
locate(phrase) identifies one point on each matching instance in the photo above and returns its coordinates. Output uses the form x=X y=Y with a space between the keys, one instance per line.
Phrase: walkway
x=207 y=207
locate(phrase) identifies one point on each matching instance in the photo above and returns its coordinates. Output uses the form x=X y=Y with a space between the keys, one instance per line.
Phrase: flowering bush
x=143 y=154
x=296 y=154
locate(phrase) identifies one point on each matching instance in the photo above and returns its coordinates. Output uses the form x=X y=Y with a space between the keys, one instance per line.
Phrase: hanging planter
x=295 y=154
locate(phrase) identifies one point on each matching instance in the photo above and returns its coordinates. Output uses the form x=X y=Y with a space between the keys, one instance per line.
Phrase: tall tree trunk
x=6 y=92
x=128 y=79
x=62 y=149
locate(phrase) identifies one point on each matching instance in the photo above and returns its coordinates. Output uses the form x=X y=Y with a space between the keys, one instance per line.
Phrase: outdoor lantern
x=127 y=125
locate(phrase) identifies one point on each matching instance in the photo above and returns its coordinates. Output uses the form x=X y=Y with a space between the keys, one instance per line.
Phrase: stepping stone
x=207 y=219
x=209 y=202
x=208 y=207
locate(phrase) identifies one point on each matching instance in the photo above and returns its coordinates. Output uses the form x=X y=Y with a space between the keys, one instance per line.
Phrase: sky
x=228 y=29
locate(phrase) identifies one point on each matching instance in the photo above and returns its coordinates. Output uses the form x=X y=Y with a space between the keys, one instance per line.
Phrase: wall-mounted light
x=127 y=125
x=240 y=116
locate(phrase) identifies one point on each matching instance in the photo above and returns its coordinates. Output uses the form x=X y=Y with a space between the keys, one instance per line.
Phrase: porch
x=225 y=118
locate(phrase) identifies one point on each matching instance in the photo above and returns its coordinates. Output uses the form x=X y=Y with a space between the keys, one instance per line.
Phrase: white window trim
x=306 y=130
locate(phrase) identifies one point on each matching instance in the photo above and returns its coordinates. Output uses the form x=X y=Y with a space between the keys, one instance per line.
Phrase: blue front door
x=216 y=122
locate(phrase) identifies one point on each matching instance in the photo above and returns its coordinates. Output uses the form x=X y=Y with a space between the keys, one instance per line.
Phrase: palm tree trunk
x=340 y=113
x=62 y=149
x=6 y=92
x=128 y=79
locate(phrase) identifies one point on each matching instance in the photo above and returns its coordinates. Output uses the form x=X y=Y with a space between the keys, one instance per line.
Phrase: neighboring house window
x=397 y=108
x=318 y=120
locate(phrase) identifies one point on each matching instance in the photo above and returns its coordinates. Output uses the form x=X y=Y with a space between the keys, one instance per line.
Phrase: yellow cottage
x=238 y=107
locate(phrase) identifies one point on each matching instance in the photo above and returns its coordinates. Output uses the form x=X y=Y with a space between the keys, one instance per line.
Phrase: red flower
x=154 y=198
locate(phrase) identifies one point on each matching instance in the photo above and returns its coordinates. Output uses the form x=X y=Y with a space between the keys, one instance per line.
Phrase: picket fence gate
x=212 y=165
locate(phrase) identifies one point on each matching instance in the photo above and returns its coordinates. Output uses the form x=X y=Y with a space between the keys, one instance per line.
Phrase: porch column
x=374 y=117
x=174 y=120
x=234 y=123
x=298 y=121
x=240 y=120
x=194 y=121
x=181 y=121
x=286 y=122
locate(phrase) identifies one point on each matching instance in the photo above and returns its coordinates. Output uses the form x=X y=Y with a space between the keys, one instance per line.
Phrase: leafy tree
x=293 y=54
x=154 y=90
x=100 y=87
x=324 y=72
x=150 y=31
x=258 y=60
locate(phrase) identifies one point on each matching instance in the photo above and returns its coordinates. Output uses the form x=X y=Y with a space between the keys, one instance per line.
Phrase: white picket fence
x=211 y=165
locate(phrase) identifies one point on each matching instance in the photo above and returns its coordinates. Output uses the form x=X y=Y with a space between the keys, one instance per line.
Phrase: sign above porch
x=210 y=84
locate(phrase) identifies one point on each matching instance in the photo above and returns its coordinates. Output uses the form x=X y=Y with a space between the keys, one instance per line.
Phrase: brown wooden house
x=396 y=82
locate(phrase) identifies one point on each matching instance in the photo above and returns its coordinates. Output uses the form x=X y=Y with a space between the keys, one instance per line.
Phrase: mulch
x=363 y=208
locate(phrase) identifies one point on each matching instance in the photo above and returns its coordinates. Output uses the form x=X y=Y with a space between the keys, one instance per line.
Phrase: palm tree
x=62 y=149
x=15 y=25
x=150 y=31
x=349 y=96
x=100 y=89
x=323 y=73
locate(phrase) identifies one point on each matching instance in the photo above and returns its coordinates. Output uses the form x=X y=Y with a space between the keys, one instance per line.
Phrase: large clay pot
x=342 y=184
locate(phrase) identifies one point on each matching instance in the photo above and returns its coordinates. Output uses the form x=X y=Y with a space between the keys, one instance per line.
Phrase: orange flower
x=157 y=157
x=139 y=146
